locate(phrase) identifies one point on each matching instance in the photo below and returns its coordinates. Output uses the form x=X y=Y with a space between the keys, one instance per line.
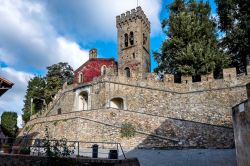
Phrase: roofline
x=7 y=81
x=95 y=59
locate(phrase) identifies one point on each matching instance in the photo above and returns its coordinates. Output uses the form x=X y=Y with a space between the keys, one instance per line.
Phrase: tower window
x=126 y=39
x=127 y=71
x=131 y=38
x=133 y=55
x=103 y=70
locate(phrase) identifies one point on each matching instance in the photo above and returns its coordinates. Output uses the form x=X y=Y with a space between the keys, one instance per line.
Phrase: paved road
x=189 y=157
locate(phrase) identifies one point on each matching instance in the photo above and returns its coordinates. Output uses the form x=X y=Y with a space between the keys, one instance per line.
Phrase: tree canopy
x=234 y=21
x=191 y=46
x=57 y=75
x=36 y=88
x=9 y=123
x=44 y=88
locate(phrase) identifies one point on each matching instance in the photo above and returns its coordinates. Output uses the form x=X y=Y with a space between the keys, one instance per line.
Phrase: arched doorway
x=117 y=103
x=83 y=101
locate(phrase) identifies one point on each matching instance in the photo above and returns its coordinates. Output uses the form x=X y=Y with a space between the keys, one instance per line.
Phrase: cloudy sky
x=37 y=33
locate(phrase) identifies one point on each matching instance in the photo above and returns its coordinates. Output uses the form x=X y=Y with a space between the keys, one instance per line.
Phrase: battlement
x=132 y=15
x=208 y=82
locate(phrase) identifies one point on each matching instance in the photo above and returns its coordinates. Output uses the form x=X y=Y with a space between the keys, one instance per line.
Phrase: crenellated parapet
x=230 y=79
x=132 y=15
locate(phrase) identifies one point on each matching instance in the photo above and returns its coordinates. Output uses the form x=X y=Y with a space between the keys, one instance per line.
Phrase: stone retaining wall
x=151 y=131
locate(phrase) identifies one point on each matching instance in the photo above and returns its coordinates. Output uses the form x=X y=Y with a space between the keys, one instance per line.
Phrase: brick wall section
x=241 y=122
x=24 y=160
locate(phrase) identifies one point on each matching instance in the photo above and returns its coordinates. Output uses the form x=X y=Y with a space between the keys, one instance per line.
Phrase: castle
x=106 y=94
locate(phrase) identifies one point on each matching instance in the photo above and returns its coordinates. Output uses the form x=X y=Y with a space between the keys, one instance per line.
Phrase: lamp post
x=31 y=101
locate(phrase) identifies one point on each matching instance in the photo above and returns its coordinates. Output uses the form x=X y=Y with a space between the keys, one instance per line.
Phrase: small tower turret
x=93 y=53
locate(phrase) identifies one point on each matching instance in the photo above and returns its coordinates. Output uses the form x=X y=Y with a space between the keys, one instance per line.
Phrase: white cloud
x=28 y=39
x=90 y=20
x=12 y=100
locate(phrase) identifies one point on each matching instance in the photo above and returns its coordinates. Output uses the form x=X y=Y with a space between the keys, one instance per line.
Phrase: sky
x=35 y=34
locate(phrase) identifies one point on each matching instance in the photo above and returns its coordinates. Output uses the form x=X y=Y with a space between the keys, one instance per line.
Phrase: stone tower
x=133 y=30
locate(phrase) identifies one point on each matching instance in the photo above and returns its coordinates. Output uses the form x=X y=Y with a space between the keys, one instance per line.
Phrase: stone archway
x=83 y=101
x=117 y=103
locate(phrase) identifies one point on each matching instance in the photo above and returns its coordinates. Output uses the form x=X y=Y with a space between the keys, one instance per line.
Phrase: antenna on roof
x=137 y=3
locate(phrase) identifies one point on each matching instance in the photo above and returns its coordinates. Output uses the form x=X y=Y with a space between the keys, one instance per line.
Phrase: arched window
x=80 y=77
x=83 y=101
x=126 y=39
x=103 y=70
x=117 y=103
x=131 y=38
x=127 y=71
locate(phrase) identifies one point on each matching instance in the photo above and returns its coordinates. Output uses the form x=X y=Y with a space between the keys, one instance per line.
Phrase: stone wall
x=200 y=105
x=207 y=102
x=241 y=122
x=151 y=131
x=24 y=160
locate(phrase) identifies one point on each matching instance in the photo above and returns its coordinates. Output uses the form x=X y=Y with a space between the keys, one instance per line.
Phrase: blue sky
x=37 y=33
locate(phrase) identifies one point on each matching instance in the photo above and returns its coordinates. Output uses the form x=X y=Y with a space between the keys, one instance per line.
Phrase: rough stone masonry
x=164 y=114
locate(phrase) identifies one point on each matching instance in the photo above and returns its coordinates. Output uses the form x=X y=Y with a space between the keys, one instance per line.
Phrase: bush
x=56 y=148
x=25 y=150
x=9 y=124
x=127 y=130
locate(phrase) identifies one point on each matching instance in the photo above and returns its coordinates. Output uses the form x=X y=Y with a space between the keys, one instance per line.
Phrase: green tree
x=57 y=75
x=45 y=88
x=191 y=47
x=9 y=123
x=36 y=88
x=234 y=19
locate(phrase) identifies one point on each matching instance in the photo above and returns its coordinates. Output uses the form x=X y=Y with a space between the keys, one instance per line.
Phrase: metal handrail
x=17 y=141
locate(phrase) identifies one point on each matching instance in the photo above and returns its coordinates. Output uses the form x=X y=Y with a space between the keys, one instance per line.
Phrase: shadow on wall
x=178 y=134
x=192 y=137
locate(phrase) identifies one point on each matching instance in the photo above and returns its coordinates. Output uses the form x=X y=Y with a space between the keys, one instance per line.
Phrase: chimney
x=93 y=53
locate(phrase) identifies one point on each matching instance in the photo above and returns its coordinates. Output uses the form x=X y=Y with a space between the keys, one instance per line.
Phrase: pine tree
x=234 y=21
x=191 y=47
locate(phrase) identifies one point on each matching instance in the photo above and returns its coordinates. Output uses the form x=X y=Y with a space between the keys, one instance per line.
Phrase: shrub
x=127 y=130
x=9 y=124
x=56 y=148
x=25 y=150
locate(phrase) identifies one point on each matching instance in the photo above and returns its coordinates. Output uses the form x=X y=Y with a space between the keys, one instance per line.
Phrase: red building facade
x=94 y=67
